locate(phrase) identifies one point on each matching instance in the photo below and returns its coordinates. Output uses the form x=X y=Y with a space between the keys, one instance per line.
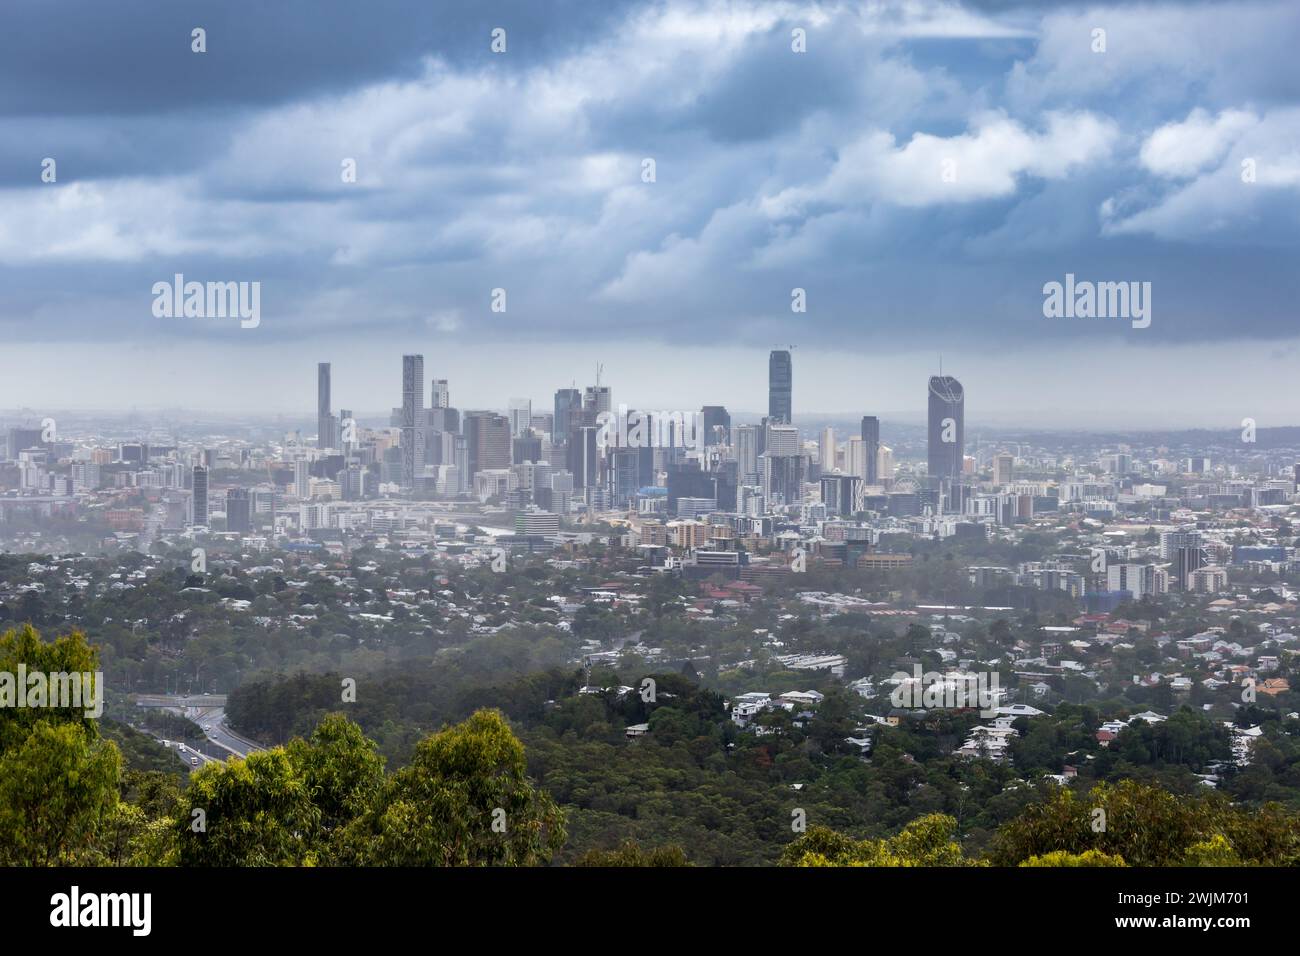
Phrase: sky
x=921 y=171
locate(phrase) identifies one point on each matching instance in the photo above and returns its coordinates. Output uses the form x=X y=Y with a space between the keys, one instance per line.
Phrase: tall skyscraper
x=521 y=416
x=200 y=486
x=747 y=451
x=487 y=435
x=301 y=479
x=871 y=439
x=440 y=397
x=717 y=425
x=239 y=515
x=597 y=399
x=826 y=450
x=412 y=413
x=324 y=415
x=568 y=414
x=1003 y=469
x=780 y=386
x=947 y=429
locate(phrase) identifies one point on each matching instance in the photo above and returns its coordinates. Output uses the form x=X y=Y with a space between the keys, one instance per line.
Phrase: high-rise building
x=200 y=496
x=598 y=399
x=487 y=437
x=717 y=425
x=747 y=451
x=1003 y=469
x=568 y=414
x=826 y=450
x=440 y=395
x=947 y=429
x=871 y=441
x=324 y=415
x=584 y=456
x=521 y=416
x=302 y=479
x=412 y=413
x=238 y=513
x=780 y=386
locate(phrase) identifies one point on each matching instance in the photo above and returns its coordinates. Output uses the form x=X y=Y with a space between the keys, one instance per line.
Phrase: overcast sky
x=921 y=171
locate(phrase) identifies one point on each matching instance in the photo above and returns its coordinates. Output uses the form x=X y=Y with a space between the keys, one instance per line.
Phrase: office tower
x=781 y=441
x=487 y=437
x=842 y=494
x=871 y=441
x=301 y=479
x=21 y=439
x=440 y=394
x=947 y=429
x=200 y=497
x=1187 y=560
x=780 y=385
x=583 y=456
x=855 y=458
x=238 y=514
x=747 y=451
x=826 y=450
x=624 y=475
x=783 y=477
x=568 y=413
x=521 y=416
x=1171 y=541
x=412 y=413
x=527 y=448
x=885 y=464
x=597 y=399
x=1003 y=467
x=324 y=416
x=717 y=425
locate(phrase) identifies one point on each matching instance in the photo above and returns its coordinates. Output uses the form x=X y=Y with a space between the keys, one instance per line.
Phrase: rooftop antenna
x=599 y=369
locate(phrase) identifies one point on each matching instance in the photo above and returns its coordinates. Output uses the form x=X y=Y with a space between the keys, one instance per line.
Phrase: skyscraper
x=487 y=435
x=239 y=515
x=747 y=451
x=200 y=485
x=717 y=425
x=412 y=413
x=521 y=416
x=826 y=450
x=568 y=414
x=780 y=386
x=598 y=399
x=440 y=397
x=871 y=439
x=324 y=416
x=947 y=429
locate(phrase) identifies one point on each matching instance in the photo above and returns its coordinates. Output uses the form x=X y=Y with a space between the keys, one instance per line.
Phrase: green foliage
x=928 y=841
x=1146 y=826
x=464 y=800
x=57 y=787
x=630 y=853
x=1087 y=858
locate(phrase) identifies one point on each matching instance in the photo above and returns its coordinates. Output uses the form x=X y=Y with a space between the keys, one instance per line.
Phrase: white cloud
x=1182 y=149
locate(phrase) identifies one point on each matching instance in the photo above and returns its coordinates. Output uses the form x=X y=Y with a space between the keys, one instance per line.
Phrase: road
x=209 y=712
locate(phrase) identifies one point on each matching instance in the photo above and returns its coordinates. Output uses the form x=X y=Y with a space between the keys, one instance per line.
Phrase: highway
x=208 y=711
